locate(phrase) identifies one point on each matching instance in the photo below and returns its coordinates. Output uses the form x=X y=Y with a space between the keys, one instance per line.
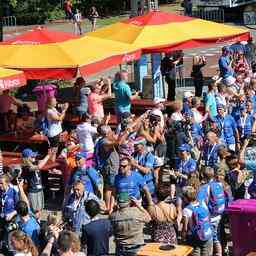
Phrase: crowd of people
x=76 y=16
x=173 y=169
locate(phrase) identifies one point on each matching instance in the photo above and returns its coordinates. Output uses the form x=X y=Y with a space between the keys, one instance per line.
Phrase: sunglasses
x=123 y=166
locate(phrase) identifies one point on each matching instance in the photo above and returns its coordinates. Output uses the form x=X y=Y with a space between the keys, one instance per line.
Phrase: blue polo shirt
x=244 y=125
x=132 y=184
x=227 y=126
x=8 y=200
x=122 y=93
x=147 y=160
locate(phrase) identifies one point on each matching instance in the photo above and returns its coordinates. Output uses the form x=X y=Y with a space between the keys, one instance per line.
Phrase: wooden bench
x=11 y=158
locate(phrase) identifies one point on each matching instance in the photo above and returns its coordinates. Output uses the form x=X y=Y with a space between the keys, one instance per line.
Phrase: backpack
x=201 y=223
x=216 y=203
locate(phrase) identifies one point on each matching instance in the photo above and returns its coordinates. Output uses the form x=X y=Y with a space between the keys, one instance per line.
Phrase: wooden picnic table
x=152 y=249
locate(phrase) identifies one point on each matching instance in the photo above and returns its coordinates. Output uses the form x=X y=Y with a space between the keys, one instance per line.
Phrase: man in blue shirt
x=210 y=150
x=227 y=127
x=74 y=211
x=123 y=94
x=245 y=123
x=8 y=198
x=185 y=164
x=129 y=181
x=143 y=163
x=27 y=223
x=226 y=71
x=88 y=175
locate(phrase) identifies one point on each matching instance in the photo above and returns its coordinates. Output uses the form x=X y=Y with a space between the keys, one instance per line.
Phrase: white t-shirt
x=177 y=116
x=78 y=17
x=54 y=127
x=85 y=133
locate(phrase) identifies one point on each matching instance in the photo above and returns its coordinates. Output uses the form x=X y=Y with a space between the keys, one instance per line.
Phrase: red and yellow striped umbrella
x=160 y=31
x=10 y=78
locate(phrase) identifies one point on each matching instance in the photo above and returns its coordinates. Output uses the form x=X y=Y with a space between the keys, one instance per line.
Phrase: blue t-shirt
x=147 y=160
x=225 y=71
x=122 y=93
x=227 y=126
x=210 y=154
x=31 y=228
x=244 y=125
x=185 y=167
x=211 y=104
x=89 y=177
x=131 y=184
x=8 y=201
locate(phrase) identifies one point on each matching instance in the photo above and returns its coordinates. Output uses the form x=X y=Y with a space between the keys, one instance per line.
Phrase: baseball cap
x=126 y=115
x=221 y=106
x=140 y=140
x=158 y=100
x=225 y=49
x=123 y=199
x=184 y=147
x=81 y=154
x=188 y=94
x=28 y=152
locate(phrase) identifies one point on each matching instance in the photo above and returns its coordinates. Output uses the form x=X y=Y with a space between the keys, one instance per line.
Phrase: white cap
x=188 y=94
x=159 y=100
x=244 y=42
x=156 y=112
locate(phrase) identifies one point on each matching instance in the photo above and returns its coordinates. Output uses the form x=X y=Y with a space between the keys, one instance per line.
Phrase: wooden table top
x=152 y=249
x=23 y=138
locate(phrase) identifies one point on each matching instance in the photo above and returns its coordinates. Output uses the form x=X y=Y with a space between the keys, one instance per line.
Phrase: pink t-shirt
x=6 y=102
x=95 y=105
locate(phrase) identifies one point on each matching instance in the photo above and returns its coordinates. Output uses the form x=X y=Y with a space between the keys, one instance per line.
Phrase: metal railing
x=217 y=15
x=179 y=76
x=10 y=22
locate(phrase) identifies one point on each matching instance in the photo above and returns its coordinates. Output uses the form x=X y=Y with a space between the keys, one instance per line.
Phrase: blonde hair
x=196 y=60
x=28 y=245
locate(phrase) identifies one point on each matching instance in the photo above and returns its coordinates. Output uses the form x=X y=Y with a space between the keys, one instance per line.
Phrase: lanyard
x=209 y=153
x=243 y=121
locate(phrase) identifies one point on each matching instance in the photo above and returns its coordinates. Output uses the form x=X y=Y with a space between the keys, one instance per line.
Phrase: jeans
x=129 y=250
x=171 y=88
x=201 y=248
x=199 y=84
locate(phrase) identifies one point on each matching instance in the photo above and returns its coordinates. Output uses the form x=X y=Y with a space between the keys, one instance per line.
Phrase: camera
x=11 y=227
x=154 y=119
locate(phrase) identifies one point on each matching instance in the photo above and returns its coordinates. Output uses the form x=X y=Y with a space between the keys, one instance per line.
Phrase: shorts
x=108 y=177
x=36 y=200
x=216 y=230
x=54 y=141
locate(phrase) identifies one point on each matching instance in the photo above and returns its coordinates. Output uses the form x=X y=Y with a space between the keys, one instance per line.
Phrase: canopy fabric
x=11 y=78
x=86 y=55
x=121 y=42
x=160 y=31
x=40 y=35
